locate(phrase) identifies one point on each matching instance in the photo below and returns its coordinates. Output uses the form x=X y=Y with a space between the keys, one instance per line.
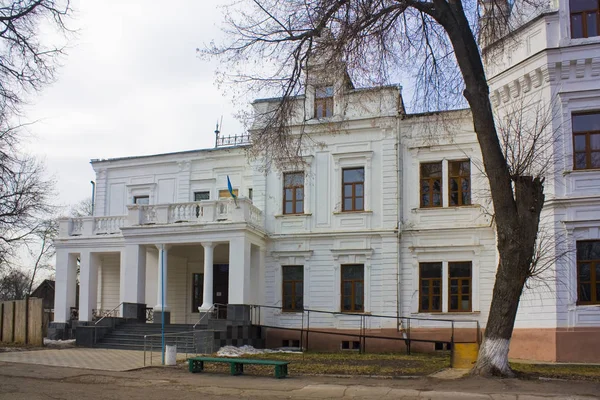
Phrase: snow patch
x=232 y=351
x=59 y=343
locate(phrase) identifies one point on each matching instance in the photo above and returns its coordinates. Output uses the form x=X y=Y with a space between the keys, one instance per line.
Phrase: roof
x=184 y=152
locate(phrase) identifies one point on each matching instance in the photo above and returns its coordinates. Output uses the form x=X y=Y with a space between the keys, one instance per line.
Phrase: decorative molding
x=292 y=253
x=504 y=93
x=537 y=77
x=475 y=248
x=525 y=83
x=565 y=70
x=515 y=88
x=595 y=66
x=185 y=165
x=336 y=253
x=580 y=68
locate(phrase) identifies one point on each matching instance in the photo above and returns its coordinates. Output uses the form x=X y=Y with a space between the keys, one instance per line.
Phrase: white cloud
x=131 y=84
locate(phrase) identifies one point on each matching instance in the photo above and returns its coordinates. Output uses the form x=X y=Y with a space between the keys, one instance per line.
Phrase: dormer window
x=584 y=18
x=323 y=101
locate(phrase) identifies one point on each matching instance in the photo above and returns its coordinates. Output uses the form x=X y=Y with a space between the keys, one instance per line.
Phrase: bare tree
x=84 y=208
x=274 y=43
x=14 y=285
x=42 y=250
x=27 y=63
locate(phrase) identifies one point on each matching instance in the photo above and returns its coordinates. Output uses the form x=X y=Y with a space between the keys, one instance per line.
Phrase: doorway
x=221 y=288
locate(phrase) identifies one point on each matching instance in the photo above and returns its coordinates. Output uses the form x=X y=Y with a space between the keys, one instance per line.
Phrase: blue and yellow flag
x=230 y=188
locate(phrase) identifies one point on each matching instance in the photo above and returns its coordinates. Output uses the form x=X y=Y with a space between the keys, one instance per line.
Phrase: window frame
x=293 y=188
x=353 y=289
x=430 y=295
x=460 y=179
x=460 y=295
x=584 y=21
x=326 y=102
x=201 y=290
x=430 y=181
x=353 y=197
x=144 y=196
x=199 y=192
x=594 y=279
x=294 y=294
x=588 y=146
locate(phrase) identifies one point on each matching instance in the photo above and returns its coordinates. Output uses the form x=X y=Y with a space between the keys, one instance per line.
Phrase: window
x=224 y=194
x=459 y=284
x=353 y=189
x=586 y=141
x=431 y=184
x=323 y=101
x=588 y=272
x=353 y=283
x=293 y=193
x=584 y=18
x=293 y=287
x=250 y=193
x=197 y=291
x=141 y=200
x=459 y=182
x=430 y=287
x=204 y=195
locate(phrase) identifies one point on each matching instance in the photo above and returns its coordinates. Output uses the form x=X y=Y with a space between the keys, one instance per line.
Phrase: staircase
x=130 y=336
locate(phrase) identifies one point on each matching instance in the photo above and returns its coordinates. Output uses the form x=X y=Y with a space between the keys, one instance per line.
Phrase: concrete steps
x=130 y=336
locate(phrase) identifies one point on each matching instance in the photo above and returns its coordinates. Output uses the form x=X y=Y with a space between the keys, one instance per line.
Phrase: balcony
x=200 y=212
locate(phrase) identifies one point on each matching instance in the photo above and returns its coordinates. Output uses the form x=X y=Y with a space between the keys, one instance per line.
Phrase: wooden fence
x=21 y=321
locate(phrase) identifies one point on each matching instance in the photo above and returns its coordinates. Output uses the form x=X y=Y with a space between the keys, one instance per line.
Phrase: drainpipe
x=399 y=199
x=93 y=195
x=162 y=302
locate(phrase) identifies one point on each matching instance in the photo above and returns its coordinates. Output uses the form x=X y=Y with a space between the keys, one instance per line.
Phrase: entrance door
x=221 y=287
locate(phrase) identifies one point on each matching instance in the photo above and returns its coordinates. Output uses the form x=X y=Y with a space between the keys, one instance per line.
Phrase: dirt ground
x=33 y=382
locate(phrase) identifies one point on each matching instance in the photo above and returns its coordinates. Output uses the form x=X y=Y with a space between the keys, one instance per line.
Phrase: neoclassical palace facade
x=389 y=216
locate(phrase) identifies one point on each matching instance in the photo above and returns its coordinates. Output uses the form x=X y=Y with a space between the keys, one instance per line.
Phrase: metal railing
x=361 y=326
x=107 y=314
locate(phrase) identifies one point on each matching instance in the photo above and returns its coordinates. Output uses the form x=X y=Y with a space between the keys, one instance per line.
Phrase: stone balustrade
x=199 y=212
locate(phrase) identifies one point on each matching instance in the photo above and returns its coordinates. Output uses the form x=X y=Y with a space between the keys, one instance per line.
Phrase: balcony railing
x=199 y=212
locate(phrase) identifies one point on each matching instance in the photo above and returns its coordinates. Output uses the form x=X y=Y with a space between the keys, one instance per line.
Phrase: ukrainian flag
x=230 y=188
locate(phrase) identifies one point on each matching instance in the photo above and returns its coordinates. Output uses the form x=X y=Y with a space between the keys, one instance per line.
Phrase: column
x=239 y=270
x=133 y=282
x=161 y=289
x=66 y=281
x=239 y=279
x=88 y=284
x=207 y=299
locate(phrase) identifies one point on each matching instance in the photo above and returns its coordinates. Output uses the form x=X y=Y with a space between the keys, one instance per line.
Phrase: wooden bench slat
x=236 y=365
x=240 y=361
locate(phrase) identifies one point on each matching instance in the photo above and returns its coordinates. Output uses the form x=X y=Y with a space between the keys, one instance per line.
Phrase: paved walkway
x=100 y=359
x=36 y=382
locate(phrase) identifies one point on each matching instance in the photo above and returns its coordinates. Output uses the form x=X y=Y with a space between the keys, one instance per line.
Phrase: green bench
x=236 y=365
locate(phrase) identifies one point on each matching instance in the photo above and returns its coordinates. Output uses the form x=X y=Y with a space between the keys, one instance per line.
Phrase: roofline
x=432 y=113
x=353 y=90
x=207 y=150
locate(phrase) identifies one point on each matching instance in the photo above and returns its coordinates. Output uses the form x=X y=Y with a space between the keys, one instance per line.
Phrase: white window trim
x=352 y=160
x=307 y=170
x=446 y=255
x=137 y=190
x=291 y=258
x=351 y=256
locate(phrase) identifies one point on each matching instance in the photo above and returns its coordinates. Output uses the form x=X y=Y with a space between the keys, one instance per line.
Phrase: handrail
x=369 y=315
x=108 y=313
x=204 y=315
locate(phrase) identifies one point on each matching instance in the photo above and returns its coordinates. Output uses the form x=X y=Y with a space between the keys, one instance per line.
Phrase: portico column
x=133 y=282
x=66 y=276
x=207 y=298
x=88 y=288
x=161 y=289
x=239 y=270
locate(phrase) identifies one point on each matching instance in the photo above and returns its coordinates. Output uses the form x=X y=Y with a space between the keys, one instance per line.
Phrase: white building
x=389 y=216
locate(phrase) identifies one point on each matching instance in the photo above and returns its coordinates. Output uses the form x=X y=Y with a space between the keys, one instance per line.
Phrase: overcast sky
x=131 y=84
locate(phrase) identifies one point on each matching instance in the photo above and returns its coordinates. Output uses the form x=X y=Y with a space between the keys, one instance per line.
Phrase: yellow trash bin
x=464 y=355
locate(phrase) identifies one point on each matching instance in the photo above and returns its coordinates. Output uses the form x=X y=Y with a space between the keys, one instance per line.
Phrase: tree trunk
x=517 y=201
